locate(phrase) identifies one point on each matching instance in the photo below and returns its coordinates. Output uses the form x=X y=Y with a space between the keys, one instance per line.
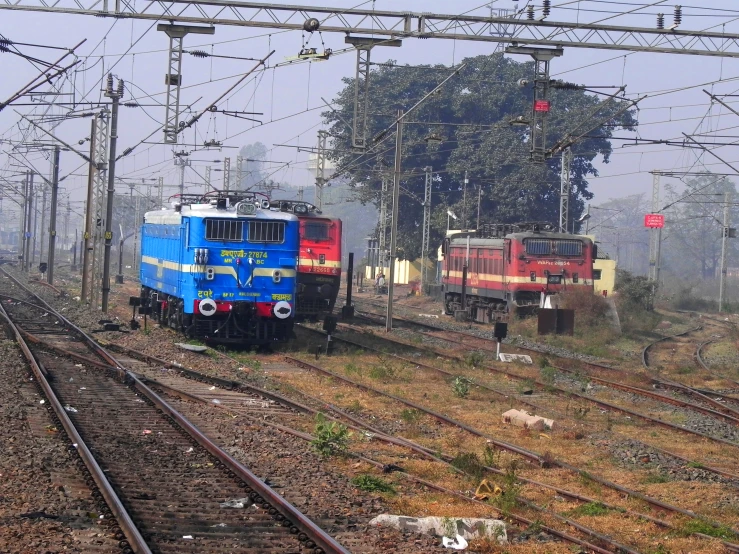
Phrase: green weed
x=491 y=456
x=507 y=501
x=656 y=478
x=410 y=416
x=474 y=359
x=718 y=531
x=470 y=463
x=370 y=483
x=590 y=509
x=461 y=386
x=352 y=369
x=331 y=438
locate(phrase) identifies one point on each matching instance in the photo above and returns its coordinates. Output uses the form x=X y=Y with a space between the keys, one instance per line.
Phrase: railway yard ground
x=641 y=453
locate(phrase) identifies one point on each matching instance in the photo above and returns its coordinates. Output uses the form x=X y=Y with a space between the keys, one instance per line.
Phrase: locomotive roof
x=172 y=217
x=474 y=241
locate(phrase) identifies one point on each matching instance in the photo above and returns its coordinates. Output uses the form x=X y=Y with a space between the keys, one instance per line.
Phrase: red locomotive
x=511 y=267
x=319 y=264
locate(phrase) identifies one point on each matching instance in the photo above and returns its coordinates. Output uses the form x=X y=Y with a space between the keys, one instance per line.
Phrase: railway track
x=168 y=486
x=359 y=425
x=184 y=391
x=710 y=403
x=530 y=456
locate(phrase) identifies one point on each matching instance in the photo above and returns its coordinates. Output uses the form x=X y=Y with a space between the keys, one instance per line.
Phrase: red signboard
x=655 y=221
x=541 y=105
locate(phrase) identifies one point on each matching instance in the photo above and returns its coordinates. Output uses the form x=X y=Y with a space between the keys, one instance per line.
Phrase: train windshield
x=314 y=230
x=549 y=247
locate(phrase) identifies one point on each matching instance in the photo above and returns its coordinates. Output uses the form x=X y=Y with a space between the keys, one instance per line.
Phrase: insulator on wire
x=678 y=15
x=109 y=86
x=660 y=21
x=199 y=53
x=547 y=7
x=120 y=88
x=530 y=12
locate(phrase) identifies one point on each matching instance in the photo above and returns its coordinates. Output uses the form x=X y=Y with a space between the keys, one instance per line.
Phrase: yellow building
x=604 y=276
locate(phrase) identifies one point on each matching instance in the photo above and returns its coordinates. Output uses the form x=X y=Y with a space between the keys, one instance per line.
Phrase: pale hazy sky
x=290 y=96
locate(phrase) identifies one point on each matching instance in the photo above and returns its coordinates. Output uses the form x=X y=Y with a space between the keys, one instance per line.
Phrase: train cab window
x=266 y=231
x=575 y=277
x=538 y=247
x=316 y=231
x=596 y=274
x=228 y=230
x=532 y=276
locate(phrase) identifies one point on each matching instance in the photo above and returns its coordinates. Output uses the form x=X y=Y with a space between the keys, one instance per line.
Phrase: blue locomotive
x=221 y=268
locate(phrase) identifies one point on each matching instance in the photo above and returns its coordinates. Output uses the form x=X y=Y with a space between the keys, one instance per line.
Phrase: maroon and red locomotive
x=513 y=267
x=319 y=264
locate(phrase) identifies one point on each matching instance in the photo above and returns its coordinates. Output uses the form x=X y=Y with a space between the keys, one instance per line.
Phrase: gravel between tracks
x=45 y=505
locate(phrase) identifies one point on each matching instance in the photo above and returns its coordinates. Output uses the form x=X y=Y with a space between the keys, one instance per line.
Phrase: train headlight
x=207 y=307
x=277 y=276
x=282 y=310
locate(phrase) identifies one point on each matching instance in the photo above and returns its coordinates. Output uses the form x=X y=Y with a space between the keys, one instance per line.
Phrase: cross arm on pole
x=52 y=135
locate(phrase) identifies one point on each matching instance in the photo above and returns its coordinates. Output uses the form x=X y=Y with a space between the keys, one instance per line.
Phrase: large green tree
x=471 y=113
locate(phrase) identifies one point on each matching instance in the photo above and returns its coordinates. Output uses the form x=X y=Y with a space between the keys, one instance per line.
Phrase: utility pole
x=182 y=161
x=43 y=229
x=137 y=215
x=226 y=174
x=207 y=180
x=394 y=226
x=52 y=216
x=239 y=172
x=35 y=233
x=653 y=233
x=479 y=201
x=427 y=227
x=161 y=192
x=382 y=246
x=115 y=96
x=464 y=200
x=541 y=104
x=67 y=215
x=725 y=234
x=565 y=184
x=29 y=205
x=320 y=168
x=173 y=78
x=93 y=208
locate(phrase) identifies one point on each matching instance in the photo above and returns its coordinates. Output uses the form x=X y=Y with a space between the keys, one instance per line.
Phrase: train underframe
x=240 y=326
x=316 y=295
x=488 y=309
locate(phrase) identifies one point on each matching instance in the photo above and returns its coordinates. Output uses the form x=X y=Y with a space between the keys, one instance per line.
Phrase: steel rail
x=129 y=529
x=527 y=454
x=704 y=365
x=702 y=394
x=398 y=441
x=299 y=521
x=660 y=397
x=711 y=469
x=530 y=454
x=585 y=397
x=645 y=350
x=621 y=548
